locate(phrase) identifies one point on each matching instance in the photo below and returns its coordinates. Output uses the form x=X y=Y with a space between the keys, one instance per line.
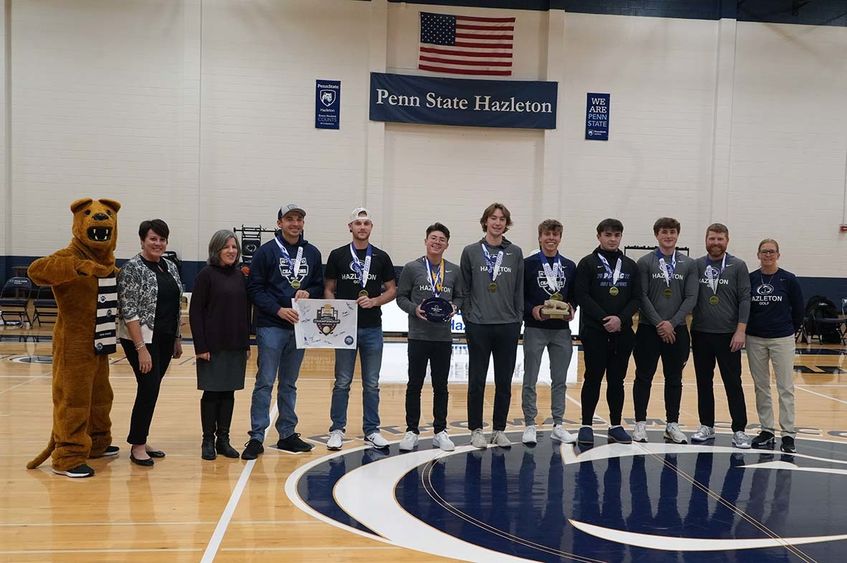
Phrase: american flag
x=466 y=44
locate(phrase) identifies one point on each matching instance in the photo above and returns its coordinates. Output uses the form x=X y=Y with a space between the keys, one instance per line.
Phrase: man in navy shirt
x=547 y=276
x=284 y=269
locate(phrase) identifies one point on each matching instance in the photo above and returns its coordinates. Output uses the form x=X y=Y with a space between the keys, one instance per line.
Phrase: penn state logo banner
x=326 y=323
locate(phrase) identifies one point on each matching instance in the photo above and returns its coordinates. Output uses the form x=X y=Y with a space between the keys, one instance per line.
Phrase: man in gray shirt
x=492 y=283
x=718 y=334
x=668 y=294
x=423 y=283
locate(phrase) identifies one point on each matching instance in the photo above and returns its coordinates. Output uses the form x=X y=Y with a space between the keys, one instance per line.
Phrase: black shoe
x=585 y=436
x=108 y=452
x=788 y=445
x=765 y=440
x=252 y=449
x=225 y=448
x=294 y=444
x=156 y=453
x=207 y=450
x=77 y=472
x=142 y=462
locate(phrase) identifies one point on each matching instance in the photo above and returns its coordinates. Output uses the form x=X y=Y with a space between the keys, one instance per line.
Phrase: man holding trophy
x=429 y=293
x=548 y=309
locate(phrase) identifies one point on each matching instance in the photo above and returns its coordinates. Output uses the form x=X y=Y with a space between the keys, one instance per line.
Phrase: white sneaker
x=703 y=434
x=639 y=433
x=529 y=436
x=409 y=441
x=443 y=441
x=674 y=435
x=336 y=440
x=478 y=439
x=376 y=440
x=499 y=439
x=741 y=440
x=562 y=435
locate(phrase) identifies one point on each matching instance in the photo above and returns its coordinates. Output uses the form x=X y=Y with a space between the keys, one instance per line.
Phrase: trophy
x=437 y=310
x=555 y=309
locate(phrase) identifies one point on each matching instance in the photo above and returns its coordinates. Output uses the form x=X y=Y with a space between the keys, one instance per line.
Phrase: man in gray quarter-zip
x=668 y=294
x=492 y=283
x=428 y=292
x=718 y=334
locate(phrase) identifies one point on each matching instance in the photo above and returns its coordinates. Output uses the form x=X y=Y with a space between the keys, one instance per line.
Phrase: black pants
x=216 y=413
x=161 y=351
x=501 y=340
x=706 y=348
x=604 y=353
x=648 y=348
x=438 y=355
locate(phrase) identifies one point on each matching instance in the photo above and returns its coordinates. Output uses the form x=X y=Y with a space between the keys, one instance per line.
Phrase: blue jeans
x=278 y=355
x=369 y=345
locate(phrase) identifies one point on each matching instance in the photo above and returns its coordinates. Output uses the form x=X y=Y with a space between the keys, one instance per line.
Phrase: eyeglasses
x=767 y=251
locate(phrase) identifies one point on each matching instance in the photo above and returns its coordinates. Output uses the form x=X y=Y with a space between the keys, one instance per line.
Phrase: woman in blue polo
x=776 y=312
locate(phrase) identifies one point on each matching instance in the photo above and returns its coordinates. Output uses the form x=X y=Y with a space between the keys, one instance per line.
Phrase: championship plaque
x=436 y=309
x=555 y=309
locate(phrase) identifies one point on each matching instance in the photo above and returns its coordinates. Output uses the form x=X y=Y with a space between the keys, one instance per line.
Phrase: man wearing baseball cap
x=362 y=272
x=283 y=270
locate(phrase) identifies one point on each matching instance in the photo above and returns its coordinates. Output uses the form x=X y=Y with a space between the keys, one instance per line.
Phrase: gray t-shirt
x=481 y=306
x=733 y=297
x=667 y=299
x=415 y=286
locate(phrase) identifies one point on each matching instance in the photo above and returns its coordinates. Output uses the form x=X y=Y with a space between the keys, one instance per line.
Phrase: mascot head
x=95 y=226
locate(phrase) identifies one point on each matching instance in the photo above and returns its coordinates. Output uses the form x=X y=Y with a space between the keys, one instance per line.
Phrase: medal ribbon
x=295 y=267
x=436 y=279
x=552 y=273
x=362 y=269
x=609 y=274
x=667 y=269
x=713 y=274
x=493 y=263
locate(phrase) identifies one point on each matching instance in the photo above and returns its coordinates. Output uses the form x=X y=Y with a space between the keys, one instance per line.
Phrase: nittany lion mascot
x=83 y=279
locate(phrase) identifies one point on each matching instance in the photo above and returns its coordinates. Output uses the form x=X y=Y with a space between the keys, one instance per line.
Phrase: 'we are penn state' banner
x=451 y=101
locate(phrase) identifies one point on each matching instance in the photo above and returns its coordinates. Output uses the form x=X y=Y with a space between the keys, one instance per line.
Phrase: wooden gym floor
x=185 y=508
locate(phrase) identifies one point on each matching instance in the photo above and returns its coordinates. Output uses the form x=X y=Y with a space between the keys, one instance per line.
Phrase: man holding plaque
x=284 y=269
x=668 y=294
x=608 y=291
x=492 y=286
x=718 y=334
x=428 y=292
x=548 y=309
x=358 y=271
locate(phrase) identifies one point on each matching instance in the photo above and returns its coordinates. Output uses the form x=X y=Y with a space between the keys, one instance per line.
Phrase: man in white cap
x=282 y=270
x=362 y=272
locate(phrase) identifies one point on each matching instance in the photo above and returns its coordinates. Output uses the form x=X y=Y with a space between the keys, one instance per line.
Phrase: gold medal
x=492 y=287
x=556 y=297
x=667 y=292
x=295 y=284
x=363 y=293
x=614 y=291
x=714 y=300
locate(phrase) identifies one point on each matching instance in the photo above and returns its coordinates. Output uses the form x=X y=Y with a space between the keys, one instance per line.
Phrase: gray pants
x=780 y=352
x=559 y=346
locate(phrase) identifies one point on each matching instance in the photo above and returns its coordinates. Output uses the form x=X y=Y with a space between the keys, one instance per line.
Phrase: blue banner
x=327 y=104
x=451 y=101
x=597 y=117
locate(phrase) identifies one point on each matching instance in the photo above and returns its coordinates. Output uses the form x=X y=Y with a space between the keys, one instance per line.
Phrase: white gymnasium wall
x=202 y=113
x=789 y=144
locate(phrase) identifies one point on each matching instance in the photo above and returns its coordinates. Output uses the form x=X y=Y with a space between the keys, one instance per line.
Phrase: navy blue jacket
x=268 y=285
x=535 y=290
x=776 y=305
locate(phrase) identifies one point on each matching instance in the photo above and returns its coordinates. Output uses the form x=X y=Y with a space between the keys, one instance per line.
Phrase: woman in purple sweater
x=219 y=317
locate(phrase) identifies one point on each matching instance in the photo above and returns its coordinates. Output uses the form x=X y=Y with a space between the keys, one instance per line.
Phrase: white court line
x=220 y=530
x=821 y=395
x=19 y=385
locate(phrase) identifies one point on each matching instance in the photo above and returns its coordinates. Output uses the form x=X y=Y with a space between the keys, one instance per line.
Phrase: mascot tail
x=42 y=457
